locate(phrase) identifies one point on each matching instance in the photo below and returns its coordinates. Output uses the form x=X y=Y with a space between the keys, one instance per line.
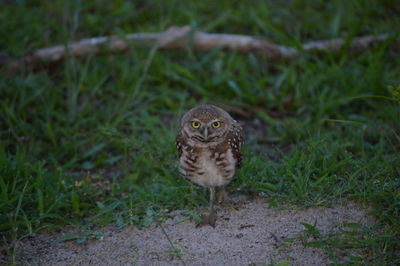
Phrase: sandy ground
x=250 y=233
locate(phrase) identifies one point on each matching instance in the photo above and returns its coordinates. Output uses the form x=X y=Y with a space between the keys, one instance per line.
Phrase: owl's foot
x=209 y=219
x=226 y=201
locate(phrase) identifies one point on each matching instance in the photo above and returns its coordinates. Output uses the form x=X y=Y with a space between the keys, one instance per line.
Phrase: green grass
x=92 y=141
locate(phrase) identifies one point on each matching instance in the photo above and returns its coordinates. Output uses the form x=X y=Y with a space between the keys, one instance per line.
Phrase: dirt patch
x=250 y=233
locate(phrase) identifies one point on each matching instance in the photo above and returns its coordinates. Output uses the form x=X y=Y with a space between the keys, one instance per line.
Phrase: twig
x=170 y=242
x=176 y=38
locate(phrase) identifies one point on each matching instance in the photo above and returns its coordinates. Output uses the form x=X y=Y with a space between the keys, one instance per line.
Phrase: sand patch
x=250 y=233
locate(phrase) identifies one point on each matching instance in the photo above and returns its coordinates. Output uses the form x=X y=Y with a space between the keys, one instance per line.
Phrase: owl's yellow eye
x=216 y=124
x=196 y=124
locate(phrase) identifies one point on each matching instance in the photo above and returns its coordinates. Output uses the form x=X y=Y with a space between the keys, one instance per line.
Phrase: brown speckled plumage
x=209 y=156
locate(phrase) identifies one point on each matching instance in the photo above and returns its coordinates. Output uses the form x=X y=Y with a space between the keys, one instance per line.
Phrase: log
x=177 y=38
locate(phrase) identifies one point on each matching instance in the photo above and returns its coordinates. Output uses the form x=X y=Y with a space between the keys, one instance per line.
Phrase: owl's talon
x=225 y=202
x=209 y=219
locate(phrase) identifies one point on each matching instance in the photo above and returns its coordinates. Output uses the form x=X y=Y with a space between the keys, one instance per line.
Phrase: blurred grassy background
x=87 y=142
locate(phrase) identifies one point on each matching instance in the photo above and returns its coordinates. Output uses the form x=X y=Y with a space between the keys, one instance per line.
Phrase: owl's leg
x=211 y=218
x=222 y=196
x=212 y=199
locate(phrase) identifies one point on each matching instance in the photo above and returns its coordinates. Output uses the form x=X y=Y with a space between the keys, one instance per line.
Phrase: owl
x=209 y=143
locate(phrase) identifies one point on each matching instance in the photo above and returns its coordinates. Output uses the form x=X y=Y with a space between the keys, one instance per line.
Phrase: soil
x=249 y=232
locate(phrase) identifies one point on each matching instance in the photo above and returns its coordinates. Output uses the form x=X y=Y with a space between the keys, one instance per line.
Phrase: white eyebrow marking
x=214 y=120
x=195 y=120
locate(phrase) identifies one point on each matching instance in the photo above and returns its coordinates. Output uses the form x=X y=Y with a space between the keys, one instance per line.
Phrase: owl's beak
x=205 y=133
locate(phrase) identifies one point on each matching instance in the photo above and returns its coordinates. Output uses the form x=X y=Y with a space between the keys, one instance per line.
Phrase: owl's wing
x=179 y=143
x=237 y=144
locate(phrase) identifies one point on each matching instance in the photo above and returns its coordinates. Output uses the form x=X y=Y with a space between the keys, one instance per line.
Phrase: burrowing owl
x=209 y=144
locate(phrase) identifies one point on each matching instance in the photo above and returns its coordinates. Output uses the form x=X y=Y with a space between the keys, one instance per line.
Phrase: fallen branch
x=176 y=38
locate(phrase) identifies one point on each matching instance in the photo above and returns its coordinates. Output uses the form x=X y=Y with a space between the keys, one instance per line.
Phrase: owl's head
x=206 y=123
